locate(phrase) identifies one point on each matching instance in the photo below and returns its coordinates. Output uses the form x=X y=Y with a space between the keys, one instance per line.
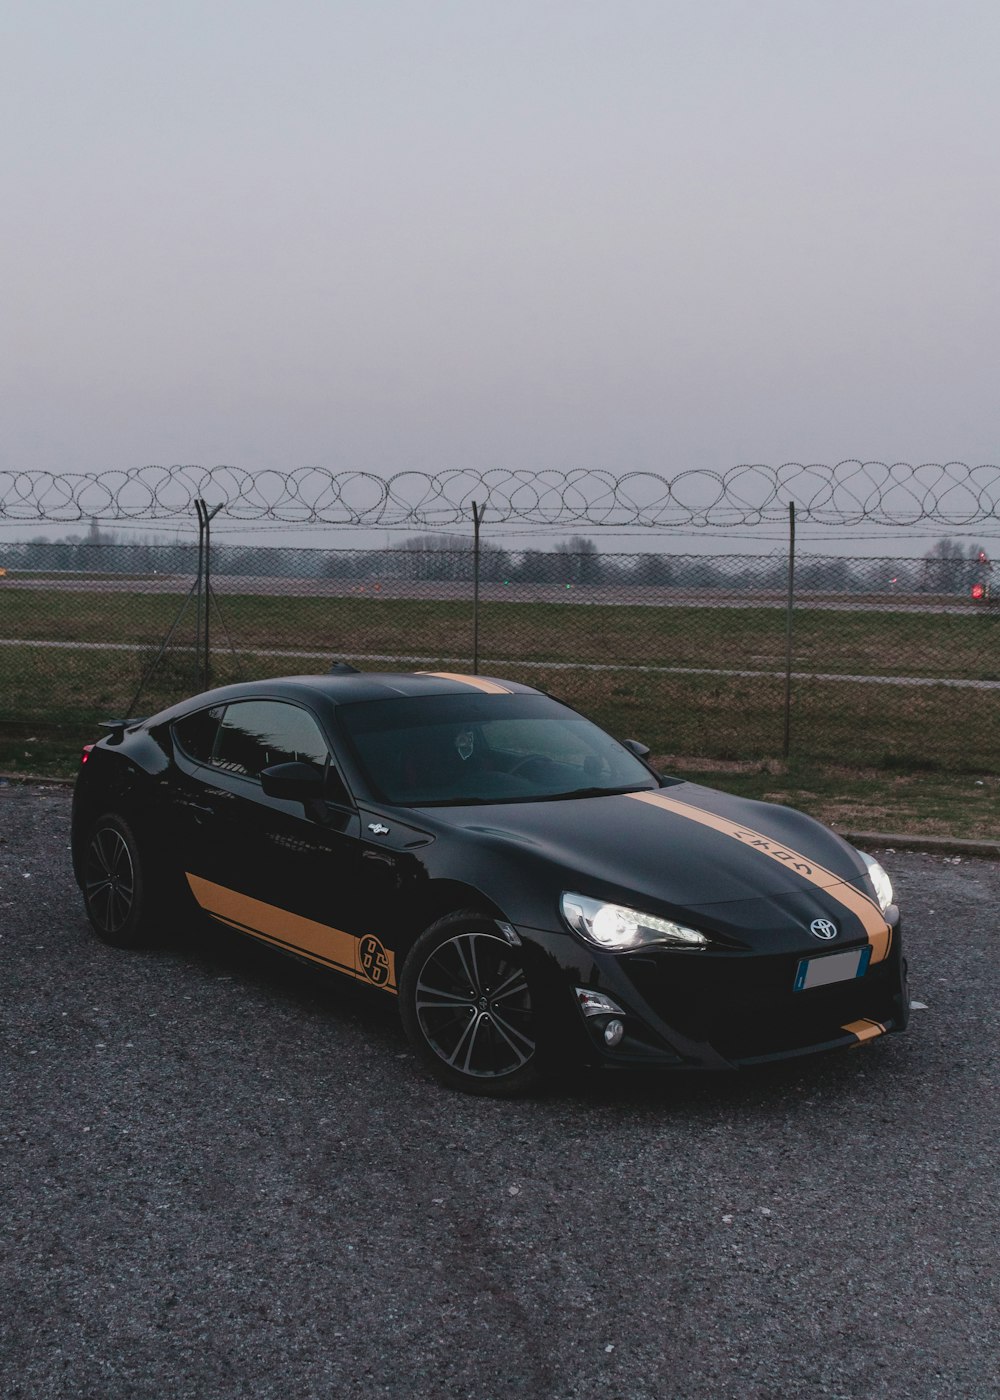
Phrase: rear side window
x=255 y=734
x=196 y=733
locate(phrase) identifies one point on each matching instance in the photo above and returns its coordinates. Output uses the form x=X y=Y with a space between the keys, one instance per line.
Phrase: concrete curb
x=933 y=845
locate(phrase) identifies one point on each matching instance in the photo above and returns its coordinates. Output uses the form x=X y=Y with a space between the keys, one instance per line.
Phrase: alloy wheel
x=473 y=1006
x=109 y=880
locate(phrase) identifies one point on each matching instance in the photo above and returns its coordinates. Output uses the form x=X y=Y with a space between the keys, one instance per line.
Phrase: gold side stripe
x=477 y=682
x=865 y=1029
x=284 y=944
x=320 y=942
x=864 y=908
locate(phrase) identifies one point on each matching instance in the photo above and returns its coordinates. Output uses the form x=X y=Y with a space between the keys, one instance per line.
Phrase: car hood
x=682 y=845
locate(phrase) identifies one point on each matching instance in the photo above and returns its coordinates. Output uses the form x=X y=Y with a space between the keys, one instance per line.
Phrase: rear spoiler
x=116 y=727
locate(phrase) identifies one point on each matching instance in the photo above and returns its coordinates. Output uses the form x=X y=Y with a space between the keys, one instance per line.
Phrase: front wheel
x=114 y=886
x=466 y=1004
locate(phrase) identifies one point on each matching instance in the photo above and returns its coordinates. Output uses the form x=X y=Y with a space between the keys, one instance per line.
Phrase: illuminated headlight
x=880 y=881
x=615 y=927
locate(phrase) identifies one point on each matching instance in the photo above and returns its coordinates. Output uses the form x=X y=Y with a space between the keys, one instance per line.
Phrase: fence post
x=200 y=508
x=789 y=614
x=477 y=520
x=202 y=645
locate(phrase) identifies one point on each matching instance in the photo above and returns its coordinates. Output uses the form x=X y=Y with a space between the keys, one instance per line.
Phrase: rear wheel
x=467 y=1007
x=114 y=885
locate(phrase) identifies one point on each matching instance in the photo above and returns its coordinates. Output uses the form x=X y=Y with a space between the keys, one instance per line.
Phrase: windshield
x=460 y=749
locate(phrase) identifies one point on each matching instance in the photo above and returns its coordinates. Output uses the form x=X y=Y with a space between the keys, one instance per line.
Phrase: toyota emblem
x=824 y=929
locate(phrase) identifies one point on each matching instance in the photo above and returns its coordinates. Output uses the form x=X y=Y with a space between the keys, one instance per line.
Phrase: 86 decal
x=374 y=962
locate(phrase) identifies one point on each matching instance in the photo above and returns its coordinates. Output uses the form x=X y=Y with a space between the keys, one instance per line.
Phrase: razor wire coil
x=749 y=494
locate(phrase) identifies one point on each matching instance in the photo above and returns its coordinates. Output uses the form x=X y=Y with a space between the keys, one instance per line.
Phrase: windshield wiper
x=589 y=792
x=452 y=802
x=509 y=801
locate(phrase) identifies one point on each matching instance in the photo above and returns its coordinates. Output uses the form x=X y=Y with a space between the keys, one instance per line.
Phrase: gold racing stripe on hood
x=865 y=1029
x=860 y=905
x=363 y=958
x=477 y=682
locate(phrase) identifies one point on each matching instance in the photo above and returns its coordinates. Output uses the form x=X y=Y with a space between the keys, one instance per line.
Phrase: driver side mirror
x=633 y=746
x=295 y=782
x=304 y=782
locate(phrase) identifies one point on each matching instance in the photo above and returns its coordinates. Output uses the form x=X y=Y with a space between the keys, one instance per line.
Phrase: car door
x=289 y=873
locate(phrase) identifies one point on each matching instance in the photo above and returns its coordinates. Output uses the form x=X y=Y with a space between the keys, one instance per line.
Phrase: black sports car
x=527 y=887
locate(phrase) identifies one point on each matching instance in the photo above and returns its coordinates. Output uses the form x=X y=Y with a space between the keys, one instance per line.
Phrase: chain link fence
x=857 y=660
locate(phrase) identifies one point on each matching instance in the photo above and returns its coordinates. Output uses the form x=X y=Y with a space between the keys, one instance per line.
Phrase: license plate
x=835 y=967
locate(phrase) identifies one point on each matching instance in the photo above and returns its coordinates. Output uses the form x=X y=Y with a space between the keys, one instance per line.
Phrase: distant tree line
x=948 y=567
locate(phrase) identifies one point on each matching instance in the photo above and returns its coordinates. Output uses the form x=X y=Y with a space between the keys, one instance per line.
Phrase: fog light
x=613 y=1033
x=596 y=1003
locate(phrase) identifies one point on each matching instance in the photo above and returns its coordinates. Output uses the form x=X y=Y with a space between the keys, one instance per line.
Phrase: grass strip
x=963 y=646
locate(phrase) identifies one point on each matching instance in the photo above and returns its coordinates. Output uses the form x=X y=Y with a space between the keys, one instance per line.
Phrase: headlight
x=880 y=881
x=613 y=926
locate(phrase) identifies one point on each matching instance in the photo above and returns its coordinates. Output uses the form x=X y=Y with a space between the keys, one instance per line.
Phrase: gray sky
x=382 y=234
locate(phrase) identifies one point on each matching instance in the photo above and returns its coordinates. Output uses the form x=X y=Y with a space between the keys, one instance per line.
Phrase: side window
x=196 y=733
x=255 y=734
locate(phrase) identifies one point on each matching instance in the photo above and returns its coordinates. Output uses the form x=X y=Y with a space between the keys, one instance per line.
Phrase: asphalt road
x=441 y=590
x=224 y=1175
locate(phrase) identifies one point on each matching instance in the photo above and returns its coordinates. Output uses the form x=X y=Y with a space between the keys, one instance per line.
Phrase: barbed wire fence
x=713 y=655
x=848 y=493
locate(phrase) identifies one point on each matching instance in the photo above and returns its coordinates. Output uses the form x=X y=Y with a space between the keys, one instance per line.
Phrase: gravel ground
x=224 y=1175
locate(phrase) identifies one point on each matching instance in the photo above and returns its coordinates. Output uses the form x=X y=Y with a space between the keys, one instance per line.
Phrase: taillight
x=86 y=753
x=978 y=591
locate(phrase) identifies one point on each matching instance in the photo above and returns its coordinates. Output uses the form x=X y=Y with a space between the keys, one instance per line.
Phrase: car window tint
x=196 y=733
x=485 y=748
x=255 y=734
x=564 y=743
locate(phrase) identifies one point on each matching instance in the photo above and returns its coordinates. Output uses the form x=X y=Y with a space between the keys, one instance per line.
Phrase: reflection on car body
x=528 y=887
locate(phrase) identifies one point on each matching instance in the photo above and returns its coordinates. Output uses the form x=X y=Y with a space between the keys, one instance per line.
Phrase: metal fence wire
x=845 y=493
x=857 y=660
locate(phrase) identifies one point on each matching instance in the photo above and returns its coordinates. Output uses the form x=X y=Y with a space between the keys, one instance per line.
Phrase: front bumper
x=713 y=1009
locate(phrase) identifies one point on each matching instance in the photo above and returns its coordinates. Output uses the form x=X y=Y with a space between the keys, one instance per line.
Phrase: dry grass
x=736 y=721
x=871 y=799
x=964 y=646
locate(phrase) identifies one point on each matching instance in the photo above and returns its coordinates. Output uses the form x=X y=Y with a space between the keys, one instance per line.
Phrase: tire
x=115 y=890
x=466 y=1005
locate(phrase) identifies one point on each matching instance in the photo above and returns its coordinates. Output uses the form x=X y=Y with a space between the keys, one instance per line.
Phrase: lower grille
x=746 y=1009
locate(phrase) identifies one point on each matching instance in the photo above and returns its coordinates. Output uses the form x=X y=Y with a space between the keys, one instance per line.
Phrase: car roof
x=348 y=687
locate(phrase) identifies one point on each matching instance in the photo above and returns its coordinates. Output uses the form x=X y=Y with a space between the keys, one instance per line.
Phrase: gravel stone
x=222 y=1174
